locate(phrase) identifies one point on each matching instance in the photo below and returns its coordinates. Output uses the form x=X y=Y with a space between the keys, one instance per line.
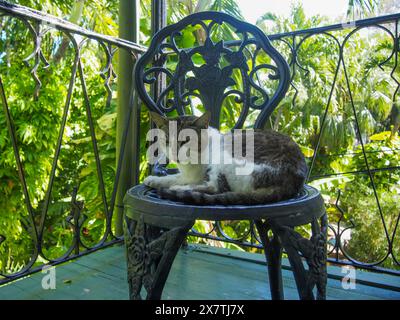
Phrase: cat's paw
x=152 y=181
x=161 y=182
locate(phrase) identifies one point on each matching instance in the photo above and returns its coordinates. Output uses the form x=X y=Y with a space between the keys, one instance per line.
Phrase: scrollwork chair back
x=211 y=61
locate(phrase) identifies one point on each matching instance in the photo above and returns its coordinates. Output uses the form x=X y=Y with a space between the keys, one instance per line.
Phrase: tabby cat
x=278 y=168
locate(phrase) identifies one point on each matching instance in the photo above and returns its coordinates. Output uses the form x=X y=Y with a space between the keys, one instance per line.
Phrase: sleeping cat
x=278 y=170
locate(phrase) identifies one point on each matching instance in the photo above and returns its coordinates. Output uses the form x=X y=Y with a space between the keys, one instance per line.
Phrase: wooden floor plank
x=197 y=273
x=335 y=289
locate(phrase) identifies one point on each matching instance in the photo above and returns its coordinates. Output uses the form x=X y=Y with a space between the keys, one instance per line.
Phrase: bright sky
x=253 y=9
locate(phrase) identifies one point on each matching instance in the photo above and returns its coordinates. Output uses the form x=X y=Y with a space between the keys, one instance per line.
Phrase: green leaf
x=308 y=152
x=381 y=136
x=107 y=121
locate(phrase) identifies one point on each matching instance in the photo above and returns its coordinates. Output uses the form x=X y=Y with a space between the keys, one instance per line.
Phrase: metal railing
x=39 y=25
x=339 y=35
x=46 y=31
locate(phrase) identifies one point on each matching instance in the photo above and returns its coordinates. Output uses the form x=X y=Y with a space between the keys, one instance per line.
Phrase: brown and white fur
x=278 y=172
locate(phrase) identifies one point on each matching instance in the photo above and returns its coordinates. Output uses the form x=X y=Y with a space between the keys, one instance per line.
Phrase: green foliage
x=97 y=15
x=359 y=78
x=37 y=122
x=300 y=114
x=368 y=236
x=360 y=8
x=363 y=79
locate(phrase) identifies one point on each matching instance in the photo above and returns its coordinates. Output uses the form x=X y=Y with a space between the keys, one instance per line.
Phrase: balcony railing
x=58 y=171
x=338 y=82
x=78 y=125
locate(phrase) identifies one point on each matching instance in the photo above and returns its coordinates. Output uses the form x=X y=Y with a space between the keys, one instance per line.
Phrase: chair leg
x=274 y=260
x=304 y=287
x=320 y=235
x=150 y=253
x=178 y=235
x=273 y=255
x=314 y=252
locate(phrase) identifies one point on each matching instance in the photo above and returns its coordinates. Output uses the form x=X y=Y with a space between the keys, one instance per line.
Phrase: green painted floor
x=199 y=272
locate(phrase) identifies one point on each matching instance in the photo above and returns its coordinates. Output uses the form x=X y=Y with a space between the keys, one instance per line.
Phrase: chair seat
x=142 y=200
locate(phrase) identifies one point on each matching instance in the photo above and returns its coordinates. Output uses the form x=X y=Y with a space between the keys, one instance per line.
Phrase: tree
x=358 y=9
x=300 y=115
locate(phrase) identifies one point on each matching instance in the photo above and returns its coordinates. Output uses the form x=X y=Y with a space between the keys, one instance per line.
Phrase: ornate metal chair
x=187 y=66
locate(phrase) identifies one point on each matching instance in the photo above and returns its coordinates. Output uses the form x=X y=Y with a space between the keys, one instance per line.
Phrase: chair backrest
x=213 y=60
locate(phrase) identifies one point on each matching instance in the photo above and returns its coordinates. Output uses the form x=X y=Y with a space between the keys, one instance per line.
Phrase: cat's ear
x=203 y=121
x=159 y=120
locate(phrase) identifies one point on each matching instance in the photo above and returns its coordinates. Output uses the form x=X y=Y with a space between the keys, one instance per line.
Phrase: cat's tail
x=258 y=196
